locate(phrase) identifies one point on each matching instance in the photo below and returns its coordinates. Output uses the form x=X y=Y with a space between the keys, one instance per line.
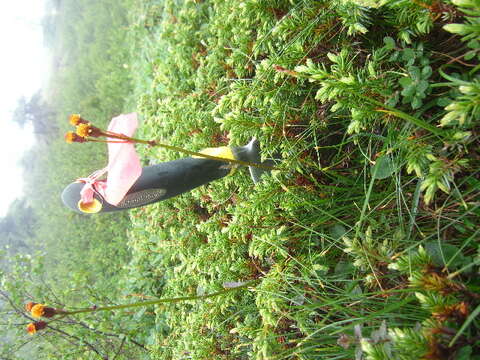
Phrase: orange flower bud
x=71 y=137
x=37 y=310
x=40 y=310
x=29 y=305
x=32 y=328
x=76 y=119
x=83 y=130
x=87 y=129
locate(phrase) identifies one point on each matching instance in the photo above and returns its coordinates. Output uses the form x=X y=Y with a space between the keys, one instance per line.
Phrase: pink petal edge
x=124 y=166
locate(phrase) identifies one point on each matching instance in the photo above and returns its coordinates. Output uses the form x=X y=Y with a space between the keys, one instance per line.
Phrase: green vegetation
x=364 y=244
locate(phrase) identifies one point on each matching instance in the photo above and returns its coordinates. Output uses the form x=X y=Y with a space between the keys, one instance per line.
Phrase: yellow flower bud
x=83 y=130
x=38 y=310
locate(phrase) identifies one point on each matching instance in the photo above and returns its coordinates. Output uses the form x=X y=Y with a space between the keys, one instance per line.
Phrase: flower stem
x=160 y=301
x=193 y=153
x=125 y=138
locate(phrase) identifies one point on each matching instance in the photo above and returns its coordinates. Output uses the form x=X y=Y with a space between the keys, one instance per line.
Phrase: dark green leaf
x=444 y=101
x=408 y=54
x=450 y=256
x=464 y=353
x=383 y=168
x=469 y=55
x=389 y=42
x=405 y=81
x=416 y=102
x=414 y=72
x=426 y=72
x=421 y=87
x=409 y=91
x=337 y=231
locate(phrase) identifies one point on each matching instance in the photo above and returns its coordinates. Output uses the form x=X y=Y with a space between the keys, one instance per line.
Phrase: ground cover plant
x=366 y=241
x=363 y=245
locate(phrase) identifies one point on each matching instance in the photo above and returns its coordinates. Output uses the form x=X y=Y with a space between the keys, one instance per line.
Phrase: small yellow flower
x=71 y=137
x=32 y=328
x=38 y=310
x=76 y=119
x=29 y=305
x=83 y=130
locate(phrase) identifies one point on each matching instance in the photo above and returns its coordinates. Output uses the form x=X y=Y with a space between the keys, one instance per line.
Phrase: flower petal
x=124 y=166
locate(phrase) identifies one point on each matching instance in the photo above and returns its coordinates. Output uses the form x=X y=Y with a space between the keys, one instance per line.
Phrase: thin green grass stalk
x=413 y=246
x=465 y=243
x=475 y=262
x=365 y=203
x=414 y=210
x=416 y=121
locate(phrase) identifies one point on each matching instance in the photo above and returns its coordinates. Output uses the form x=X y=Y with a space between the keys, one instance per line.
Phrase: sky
x=23 y=68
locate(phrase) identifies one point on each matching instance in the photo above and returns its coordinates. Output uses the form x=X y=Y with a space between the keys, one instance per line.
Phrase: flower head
x=40 y=310
x=32 y=328
x=87 y=129
x=37 y=310
x=76 y=119
x=72 y=137
x=29 y=305
x=83 y=130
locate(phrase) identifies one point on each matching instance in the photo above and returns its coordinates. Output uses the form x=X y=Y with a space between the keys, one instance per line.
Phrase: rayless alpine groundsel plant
x=38 y=310
x=86 y=132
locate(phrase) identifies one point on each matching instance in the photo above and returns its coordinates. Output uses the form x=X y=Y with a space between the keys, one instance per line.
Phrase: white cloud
x=23 y=66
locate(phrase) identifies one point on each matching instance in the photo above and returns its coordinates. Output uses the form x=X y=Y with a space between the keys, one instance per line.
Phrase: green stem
x=90 y=139
x=188 y=152
x=159 y=301
x=193 y=153
x=414 y=210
